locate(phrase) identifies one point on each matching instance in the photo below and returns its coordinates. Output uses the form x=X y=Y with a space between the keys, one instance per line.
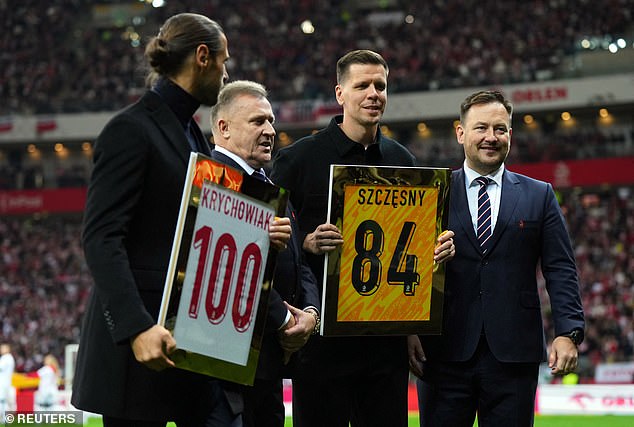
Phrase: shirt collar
x=244 y=165
x=183 y=104
x=471 y=175
x=347 y=143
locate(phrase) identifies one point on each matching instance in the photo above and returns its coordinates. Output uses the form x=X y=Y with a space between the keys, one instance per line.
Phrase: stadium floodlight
x=307 y=27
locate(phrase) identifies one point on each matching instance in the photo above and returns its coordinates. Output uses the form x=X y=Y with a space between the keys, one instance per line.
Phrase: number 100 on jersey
x=383 y=279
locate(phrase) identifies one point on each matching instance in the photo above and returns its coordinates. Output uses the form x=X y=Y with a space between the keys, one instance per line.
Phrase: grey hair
x=229 y=92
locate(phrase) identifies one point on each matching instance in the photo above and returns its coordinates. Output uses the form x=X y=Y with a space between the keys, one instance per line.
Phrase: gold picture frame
x=195 y=269
x=383 y=279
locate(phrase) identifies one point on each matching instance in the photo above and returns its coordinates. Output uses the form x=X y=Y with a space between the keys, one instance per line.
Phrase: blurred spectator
x=47 y=394
x=29 y=177
x=7 y=391
x=72 y=176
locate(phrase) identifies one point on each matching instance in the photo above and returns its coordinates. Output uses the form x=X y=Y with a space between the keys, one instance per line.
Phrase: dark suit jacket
x=293 y=282
x=497 y=292
x=140 y=161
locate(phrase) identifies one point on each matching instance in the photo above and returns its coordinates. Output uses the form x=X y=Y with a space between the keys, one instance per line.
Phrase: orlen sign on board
x=50 y=200
x=590 y=399
x=539 y=94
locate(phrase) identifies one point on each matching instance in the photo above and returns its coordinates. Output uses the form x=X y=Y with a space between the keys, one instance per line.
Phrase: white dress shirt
x=494 y=189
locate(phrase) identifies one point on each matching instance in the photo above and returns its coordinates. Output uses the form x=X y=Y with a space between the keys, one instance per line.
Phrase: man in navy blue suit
x=506 y=225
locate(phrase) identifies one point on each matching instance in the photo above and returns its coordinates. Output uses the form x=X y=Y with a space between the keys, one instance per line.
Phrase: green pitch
x=540 y=421
x=573 y=421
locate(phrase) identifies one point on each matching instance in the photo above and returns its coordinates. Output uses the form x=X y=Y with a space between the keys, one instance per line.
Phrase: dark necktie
x=484 y=213
x=259 y=174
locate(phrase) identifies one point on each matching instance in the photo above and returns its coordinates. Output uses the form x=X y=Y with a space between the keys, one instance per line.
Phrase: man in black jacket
x=140 y=161
x=343 y=379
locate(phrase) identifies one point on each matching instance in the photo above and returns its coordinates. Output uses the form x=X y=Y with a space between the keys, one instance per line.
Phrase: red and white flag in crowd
x=6 y=123
x=45 y=124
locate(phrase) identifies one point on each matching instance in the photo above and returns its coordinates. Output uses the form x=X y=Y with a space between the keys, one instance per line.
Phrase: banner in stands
x=585 y=399
x=574 y=173
x=580 y=173
x=592 y=91
x=64 y=200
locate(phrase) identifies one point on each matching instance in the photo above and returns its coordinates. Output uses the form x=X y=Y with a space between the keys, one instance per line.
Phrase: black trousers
x=264 y=404
x=210 y=409
x=372 y=399
x=501 y=394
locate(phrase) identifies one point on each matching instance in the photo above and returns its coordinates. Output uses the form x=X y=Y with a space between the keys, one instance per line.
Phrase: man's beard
x=206 y=93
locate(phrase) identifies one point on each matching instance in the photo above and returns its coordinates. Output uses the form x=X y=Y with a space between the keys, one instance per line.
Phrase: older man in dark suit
x=486 y=361
x=242 y=126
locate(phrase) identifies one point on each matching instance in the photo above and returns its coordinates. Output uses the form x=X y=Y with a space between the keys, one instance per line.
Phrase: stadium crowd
x=44 y=281
x=65 y=57
x=601 y=224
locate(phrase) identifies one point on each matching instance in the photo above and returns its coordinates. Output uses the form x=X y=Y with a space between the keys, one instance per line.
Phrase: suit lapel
x=460 y=207
x=508 y=202
x=223 y=158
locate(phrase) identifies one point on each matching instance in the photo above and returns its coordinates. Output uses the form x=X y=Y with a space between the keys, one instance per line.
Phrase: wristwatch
x=314 y=313
x=576 y=336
